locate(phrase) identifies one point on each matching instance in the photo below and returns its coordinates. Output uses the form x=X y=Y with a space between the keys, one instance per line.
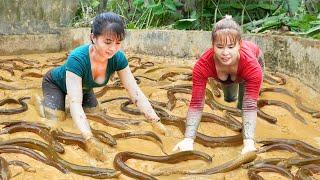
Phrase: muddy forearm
x=74 y=89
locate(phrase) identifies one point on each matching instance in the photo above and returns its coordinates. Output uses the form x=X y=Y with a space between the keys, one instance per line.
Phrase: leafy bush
x=297 y=17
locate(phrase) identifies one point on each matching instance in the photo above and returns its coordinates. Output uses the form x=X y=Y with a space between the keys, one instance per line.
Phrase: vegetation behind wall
x=290 y=17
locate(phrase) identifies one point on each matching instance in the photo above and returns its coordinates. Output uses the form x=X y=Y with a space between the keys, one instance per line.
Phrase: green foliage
x=86 y=11
x=300 y=17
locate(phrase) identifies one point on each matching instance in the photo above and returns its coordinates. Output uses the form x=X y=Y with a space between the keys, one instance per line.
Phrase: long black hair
x=108 y=22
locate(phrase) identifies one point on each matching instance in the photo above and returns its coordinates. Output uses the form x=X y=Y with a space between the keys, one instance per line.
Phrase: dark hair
x=108 y=22
x=224 y=28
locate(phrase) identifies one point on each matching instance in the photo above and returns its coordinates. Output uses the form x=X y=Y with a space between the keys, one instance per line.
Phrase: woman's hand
x=159 y=127
x=248 y=146
x=95 y=149
x=140 y=99
x=185 y=145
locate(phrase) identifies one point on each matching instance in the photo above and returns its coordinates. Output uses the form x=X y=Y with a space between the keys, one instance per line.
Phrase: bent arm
x=74 y=90
x=136 y=95
x=249 y=117
x=249 y=109
x=196 y=104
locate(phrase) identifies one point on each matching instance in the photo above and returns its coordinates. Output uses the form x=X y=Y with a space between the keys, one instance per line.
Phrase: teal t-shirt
x=78 y=62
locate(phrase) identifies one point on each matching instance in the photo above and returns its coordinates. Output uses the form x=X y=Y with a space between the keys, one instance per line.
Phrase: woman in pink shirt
x=231 y=61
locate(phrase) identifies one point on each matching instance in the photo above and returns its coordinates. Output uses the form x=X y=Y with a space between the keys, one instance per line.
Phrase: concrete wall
x=35 y=16
x=293 y=55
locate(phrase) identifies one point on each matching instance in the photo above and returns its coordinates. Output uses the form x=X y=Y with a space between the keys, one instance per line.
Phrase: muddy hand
x=95 y=149
x=159 y=127
x=37 y=101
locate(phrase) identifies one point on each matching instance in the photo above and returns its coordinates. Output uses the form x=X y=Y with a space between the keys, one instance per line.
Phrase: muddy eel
x=180 y=123
x=274 y=161
x=306 y=172
x=64 y=137
x=298 y=100
x=146 y=135
x=33 y=154
x=77 y=139
x=25 y=166
x=4 y=169
x=228 y=121
x=205 y=140
x=171 y=97
x=31 y=74
x=295 y=143
x=37 y=129
x=53 y=156
x=106 y=121
x=253 y=172
x=225 y=167
x=122 y=157
x=301 y=162
x=264 y=102
x=277 y=79
x=288 y=147
x=23 y=108
x=8 y=87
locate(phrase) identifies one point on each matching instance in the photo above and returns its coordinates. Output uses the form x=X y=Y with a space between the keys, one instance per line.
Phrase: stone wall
x=35 y=16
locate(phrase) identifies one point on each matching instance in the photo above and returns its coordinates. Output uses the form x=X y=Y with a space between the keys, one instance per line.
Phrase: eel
x=23 y=108
x=122 y=157
x=253 y=172
x=225 y=167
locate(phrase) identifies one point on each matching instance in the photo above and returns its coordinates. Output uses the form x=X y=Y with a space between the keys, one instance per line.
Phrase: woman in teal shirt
x=89 y=66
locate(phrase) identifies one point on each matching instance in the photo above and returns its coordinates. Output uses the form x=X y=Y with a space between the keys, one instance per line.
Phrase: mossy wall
x=35 y=16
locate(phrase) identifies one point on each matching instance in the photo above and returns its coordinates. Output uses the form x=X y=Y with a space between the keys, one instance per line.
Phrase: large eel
x=264 y=102
x=103 y=119
x=33 y=154
x=293 y=142
x=225 y=167
x=46 y=150
x=210 y=100
x=305 y=172
x=4 y=169
x=77 y=139
x=228 y=122
x=274 y=161
x=64 y=137
x=126 y=121
x=25 y=166
x=122 y=157
x=280 y=79
x=147 y=135
x=31 y=74
x=301 y=162
x=287 y=147
x=8 y=87
x=143 y=65
x=23 y=108
x=253 y=172
x=37 y=129
x=5 y=173
x=200 y=138
x=298 y=100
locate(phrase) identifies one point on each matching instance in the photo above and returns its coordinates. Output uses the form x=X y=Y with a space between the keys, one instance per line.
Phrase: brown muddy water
x=286 y=127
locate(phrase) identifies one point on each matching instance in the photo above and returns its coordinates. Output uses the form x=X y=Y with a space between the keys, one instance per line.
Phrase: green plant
x=300 y=17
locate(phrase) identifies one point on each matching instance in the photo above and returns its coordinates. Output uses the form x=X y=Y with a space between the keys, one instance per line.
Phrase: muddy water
x=286 y=127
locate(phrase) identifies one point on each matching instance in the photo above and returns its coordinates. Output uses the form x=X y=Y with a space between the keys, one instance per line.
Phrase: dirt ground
x=286 y=127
